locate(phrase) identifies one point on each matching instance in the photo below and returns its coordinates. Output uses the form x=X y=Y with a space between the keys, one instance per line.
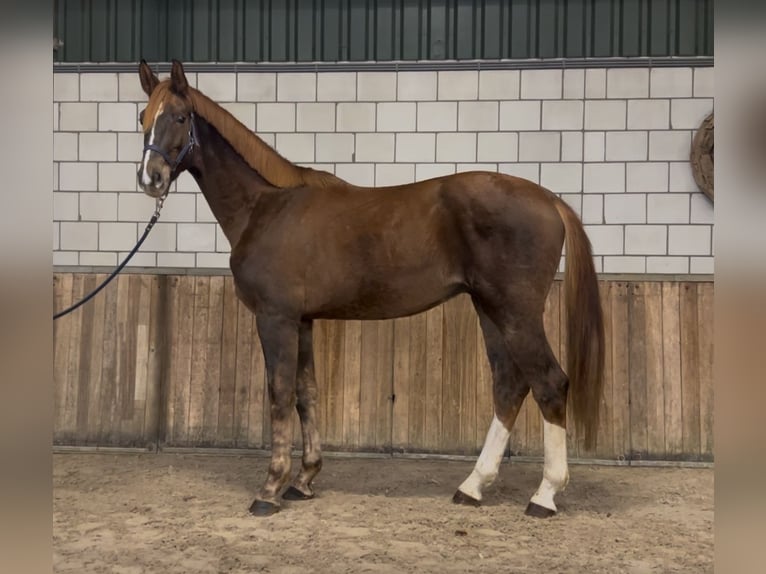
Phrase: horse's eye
x=181 y=119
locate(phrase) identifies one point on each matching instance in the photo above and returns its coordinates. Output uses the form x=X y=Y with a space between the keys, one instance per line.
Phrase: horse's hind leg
x=509 y=392
x=306 y=391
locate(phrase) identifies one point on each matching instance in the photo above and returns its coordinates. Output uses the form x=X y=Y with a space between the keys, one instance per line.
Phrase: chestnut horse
x=307 y=245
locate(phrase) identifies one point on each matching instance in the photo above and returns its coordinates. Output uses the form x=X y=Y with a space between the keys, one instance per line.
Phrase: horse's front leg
x=307 y=394
x=279 y=339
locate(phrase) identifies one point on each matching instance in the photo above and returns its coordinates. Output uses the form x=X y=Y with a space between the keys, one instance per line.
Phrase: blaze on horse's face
x=166 y=124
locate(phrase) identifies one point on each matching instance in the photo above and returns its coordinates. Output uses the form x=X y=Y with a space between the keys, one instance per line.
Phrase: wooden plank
x=451 y=406
x=128 y=347
x=62 y=333
x=225 y=424
x=92 y=432
x=671 y=369
x=333 y=392
x=620 y=369
x=109 y=362
x=197 y=395
x=416 y=417
x=259 y=421
x=158 y=350
x=705 y=324
x=243 y=380
x=143 y=308
x=376 y=381
x=690 y=371
x=605 y=437
x=352 y=384
x=183 y=333
x=402 y=383
x=485 y=405
x=70 y=389
x=83 y=372
x=211 y=385
x=434 y=350
x=637 y=362
x=467 y=372
x=655 y=393
x=384 y=384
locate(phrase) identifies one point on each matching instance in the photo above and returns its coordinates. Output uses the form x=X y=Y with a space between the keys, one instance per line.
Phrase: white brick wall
x=613 y=143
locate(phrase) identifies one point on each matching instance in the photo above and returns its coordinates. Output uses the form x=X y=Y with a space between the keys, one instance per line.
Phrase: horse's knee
x=550 y=393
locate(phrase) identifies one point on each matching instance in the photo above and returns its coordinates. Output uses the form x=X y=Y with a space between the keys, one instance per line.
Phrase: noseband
x=190 y=143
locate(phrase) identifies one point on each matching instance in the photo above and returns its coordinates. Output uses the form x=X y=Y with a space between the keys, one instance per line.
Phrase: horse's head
x=168 y=124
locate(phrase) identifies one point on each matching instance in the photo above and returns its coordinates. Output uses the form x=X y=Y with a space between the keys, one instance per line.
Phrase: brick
x=396 y=117
x=689 y=114
x=702 y=209
x=573 y=200
x=355 y=117
x=528 y=171
x=671 y=83
x=455 y=147
x=669 y=145
x=203 y=213
x=572 y=146
x=256 y=87
x=178 y=260
x=219 y=87
x=95 y=146
x=595 y=83
x=689 y=240
x=436 y=116
x=185 y=183
x=594 y=146
x=605 y=115
x=394 y=174
x=477 y=116
x=626 y=146
x=606 y=239
x=425 y=171
x=56 y=232
x=668 y=208
x=704 y=82
x=499 y=84
x=464 y=167
x=520 y=116
x=129 y=88
x=561 y=177
x=116 y=236
x=604 y=178
x=458 y=85
x=140 y=259
x=117 y=177
x=296 y=87
x=667 y=265
x=415 y=147
x=563 y=115
x=117 y=117
x=375 y=86
x=681 y=177
x=646 y=177
x=98 y=87
x=374 y=147
x=648 y=114
x=539 y=146
x=362 y=174
x=221 y=242
x=98 y=206
x=592 y=209
x=335 y=147
x=315 y=117
x=212 y=261
x=66 y=206
x=336 y=87
x=99 y=258
x=56 y=113
x=416 y=86
x=702 y=265
x=78 y=176
x=627 y=83
x=296 y=147
x=244 y=112
x=275 y=117
x=624 y=264
x=541 y=84
x=66 y=87
x=162 y=238
x=77 y=117
x=574 y=84
x=497 y=146
x=139 y=207
x=64 y=258
x=130 y=146
x=64 y=146
x=625 y=208
x=55 y=175
x=646 y=239
x=196 y=237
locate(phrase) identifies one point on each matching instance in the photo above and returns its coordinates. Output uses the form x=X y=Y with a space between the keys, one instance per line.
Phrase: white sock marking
x=555 y=470
x=488 y=463
x=145 y=179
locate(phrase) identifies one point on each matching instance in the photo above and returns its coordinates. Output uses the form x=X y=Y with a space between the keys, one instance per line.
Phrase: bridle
x=190 y=143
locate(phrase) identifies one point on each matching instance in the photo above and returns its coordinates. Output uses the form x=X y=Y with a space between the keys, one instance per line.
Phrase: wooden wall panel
x=176 y=360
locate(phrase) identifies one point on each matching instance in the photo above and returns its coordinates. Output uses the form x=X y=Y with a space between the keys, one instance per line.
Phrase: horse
x=308 y=245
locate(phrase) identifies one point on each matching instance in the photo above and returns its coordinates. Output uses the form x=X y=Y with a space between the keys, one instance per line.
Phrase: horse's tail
x=584 y=327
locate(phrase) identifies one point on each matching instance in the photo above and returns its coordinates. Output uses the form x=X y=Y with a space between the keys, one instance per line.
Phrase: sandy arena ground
x=171 y=513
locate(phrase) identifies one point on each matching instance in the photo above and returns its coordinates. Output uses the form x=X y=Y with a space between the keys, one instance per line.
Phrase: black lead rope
x=152 y=221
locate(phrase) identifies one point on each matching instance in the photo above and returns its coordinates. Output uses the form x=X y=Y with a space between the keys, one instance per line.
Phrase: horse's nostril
x=156 y=179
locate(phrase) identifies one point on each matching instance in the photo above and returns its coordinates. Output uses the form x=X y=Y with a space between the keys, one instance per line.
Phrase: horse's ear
x=178 y=81
x=148 y=80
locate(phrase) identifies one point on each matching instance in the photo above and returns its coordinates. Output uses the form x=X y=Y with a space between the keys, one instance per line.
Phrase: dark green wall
x=381 y=30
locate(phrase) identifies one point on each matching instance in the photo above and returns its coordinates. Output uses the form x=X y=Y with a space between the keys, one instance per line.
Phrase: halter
x=190 y=143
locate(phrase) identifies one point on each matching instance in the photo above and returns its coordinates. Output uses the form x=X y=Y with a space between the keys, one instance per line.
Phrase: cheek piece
x=190 y=143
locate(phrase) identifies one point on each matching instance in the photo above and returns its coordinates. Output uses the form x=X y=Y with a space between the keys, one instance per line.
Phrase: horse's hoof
x=462 y=498
x=538 y=511
x=263 y=508
x=293 y=493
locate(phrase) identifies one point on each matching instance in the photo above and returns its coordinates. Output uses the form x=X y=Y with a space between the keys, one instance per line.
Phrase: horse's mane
x=274 y=168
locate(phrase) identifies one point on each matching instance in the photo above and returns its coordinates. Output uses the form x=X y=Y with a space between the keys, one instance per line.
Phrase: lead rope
x=152 y=221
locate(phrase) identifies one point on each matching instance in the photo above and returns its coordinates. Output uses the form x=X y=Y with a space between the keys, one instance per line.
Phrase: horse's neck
x=230 y=186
